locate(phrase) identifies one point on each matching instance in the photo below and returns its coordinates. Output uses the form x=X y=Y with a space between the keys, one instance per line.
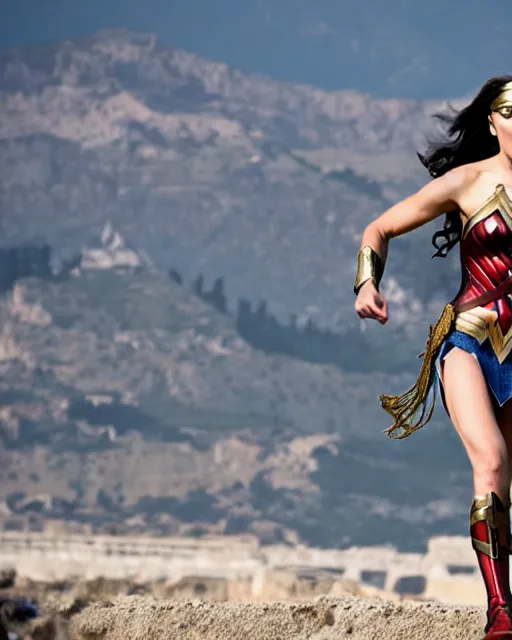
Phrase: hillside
x=210 y=169
x=125 y=399
x=128 y=401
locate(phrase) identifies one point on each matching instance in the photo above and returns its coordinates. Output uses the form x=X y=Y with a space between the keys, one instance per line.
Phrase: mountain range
x=128 y=398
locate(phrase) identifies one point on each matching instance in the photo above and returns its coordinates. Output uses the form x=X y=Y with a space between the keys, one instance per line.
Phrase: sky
x=402 y=48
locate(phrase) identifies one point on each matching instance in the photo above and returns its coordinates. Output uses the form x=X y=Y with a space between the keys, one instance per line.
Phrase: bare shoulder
x=446 y=192
x=475 y=183
x=459 y=179
x=452 y=188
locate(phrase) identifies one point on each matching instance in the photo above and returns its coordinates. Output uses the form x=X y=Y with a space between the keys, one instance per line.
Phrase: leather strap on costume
x=489 y=296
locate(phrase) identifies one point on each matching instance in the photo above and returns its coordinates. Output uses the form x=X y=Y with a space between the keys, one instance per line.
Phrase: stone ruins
x=446 y=572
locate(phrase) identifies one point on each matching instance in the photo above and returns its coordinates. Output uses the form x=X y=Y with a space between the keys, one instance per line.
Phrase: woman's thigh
x=471 y=409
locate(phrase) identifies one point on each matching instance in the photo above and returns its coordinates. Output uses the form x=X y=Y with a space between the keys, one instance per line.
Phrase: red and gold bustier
x=486 y=258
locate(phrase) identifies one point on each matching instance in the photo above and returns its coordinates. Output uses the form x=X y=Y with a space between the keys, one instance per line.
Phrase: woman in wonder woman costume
x=468 y=354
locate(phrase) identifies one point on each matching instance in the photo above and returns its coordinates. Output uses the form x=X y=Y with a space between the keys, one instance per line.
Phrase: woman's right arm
x=435 y=198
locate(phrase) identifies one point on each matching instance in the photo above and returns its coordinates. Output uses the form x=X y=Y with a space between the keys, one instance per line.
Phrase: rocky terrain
x=326 y=618
x=127 y=400
x=288 y=608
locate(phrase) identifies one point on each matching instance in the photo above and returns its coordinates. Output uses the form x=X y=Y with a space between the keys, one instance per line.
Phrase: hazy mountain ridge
x=116 y=382
x=82 y=142
x=174 y=82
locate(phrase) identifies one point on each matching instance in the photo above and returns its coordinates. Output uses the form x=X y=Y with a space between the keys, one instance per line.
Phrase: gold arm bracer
x=369 y=267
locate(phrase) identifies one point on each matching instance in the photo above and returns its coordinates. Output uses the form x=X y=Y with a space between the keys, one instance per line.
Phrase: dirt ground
x=145 y=618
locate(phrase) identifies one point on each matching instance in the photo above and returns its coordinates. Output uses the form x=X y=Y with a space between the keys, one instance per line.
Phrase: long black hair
x=467 y=139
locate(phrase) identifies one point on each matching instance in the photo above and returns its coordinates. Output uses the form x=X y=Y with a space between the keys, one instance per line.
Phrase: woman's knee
x=490 y=464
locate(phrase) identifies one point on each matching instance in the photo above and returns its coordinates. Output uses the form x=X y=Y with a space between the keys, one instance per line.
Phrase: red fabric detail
x=496 y=578
x=499 y=625
x=486 y=258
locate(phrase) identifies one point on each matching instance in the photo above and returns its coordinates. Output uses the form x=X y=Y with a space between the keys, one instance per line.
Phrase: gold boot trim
x=486 y=509
x=404 y=408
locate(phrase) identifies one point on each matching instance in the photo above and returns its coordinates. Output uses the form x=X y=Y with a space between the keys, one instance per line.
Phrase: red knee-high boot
x=490 y=536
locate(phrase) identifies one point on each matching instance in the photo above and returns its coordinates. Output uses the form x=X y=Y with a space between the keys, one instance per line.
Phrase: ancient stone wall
x=448 y=570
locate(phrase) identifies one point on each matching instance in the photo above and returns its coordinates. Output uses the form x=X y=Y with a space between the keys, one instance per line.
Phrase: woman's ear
x=491 y=127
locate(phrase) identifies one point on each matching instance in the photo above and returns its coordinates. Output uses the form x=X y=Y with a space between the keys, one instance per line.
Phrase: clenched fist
x=370 y=303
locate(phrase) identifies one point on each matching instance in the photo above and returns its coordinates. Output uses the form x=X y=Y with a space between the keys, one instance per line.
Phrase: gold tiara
x=504 y=99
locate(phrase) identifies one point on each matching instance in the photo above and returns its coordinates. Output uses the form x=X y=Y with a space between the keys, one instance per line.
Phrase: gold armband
x=369 y=267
